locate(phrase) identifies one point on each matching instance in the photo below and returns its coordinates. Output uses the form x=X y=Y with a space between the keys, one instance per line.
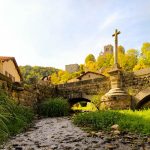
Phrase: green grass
x=128 y=120
x=54 y=107
x=13 y=118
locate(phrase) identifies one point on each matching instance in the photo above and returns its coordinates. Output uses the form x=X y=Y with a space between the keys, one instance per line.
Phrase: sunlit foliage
x=128 y=120
x=129 y=60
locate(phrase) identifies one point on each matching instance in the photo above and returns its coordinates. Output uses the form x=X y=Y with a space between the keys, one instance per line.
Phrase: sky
x=60 y=32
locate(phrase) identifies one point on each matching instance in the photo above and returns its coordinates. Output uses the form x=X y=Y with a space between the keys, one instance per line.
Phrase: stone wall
x=28 y=96
x=134 y=82
x=81 y=89
x=35 y=94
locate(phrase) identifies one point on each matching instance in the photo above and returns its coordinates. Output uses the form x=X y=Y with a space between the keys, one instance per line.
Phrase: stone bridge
x=136 y=84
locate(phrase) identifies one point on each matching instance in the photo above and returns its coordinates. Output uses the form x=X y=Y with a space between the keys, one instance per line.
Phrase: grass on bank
x=128 y=120
x=13 y=118
x=54 y=107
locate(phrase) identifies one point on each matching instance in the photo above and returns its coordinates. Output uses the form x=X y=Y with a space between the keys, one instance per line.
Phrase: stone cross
x=116 y=47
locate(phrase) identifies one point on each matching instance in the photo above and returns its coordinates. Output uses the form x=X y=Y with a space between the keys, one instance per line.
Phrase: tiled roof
x=6 y=58
x=90 y=72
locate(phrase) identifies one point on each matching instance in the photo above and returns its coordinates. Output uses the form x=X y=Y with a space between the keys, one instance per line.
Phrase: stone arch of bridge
x=142 y=97
x=143 y=102
x=73 y=101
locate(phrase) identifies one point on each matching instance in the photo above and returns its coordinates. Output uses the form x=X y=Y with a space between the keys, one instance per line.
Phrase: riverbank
x=61 y=134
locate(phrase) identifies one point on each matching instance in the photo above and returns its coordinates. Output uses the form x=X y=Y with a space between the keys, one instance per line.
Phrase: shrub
x=54 y=107
x=13 y=117
x=23 y=116
x=133 y=121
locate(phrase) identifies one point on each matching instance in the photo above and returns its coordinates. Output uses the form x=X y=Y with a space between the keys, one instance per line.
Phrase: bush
x=133 y=121
x=54 y=107
x=13 y=118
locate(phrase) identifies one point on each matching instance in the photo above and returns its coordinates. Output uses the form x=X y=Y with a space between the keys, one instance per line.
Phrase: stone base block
x=115 y=102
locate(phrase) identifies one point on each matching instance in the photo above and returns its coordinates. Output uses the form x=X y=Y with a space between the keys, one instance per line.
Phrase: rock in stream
x=61 y=134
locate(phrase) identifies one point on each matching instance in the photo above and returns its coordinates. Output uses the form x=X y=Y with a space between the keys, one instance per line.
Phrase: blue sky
x=59 y=32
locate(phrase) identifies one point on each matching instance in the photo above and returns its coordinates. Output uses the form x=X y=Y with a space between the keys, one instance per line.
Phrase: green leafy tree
x=131 y=59
x=37 y=72
x=90 y=66
x=121 y=49
x=90 y=63
x=82 y=68
x=144 y=59
x=54 y=78
x=90 y=57
x=145 y=48
x=104 y=61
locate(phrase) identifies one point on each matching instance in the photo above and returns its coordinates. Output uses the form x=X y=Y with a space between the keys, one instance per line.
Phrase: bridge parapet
x=86 y=87
x=136 y=81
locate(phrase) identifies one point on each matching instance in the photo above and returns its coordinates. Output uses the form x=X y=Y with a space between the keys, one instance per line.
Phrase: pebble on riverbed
x=61 y=134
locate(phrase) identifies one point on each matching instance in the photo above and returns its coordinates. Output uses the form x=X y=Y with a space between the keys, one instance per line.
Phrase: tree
x=90 y=66
x=54 y=78
x=131 y=59
x=104 y=61
x=146 y=53
x=145 y=48
x=90 y=57
x=37 y=72
x=144 y=59
x=121 y=49
x=90 y=63
x=82 y=70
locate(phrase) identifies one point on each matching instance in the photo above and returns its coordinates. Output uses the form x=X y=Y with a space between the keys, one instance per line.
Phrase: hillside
x=36 y=72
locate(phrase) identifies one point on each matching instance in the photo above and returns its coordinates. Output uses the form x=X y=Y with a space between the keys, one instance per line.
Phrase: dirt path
x=61 y=134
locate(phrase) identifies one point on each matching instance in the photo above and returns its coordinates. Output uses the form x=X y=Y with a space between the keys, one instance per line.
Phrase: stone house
x=9 y=68
x=72 y=68
x=46 y=78
x=90 y=75
x=72 y=80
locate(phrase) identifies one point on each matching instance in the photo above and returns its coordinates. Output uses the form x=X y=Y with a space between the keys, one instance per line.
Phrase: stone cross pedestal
x=116 y=98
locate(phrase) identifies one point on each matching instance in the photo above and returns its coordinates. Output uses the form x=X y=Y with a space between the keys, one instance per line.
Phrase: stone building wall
x=72 y=68
x=10 y=68
x=108 y=49
x=90 y=75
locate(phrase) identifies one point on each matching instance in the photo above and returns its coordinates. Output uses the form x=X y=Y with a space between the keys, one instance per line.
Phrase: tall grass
x=128 y=120
x=54 y=107
x=13 y=117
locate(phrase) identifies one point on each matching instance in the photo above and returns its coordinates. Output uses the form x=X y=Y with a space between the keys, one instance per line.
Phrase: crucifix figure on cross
x=116 y=48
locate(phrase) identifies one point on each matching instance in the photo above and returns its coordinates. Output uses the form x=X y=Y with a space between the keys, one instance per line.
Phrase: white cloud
x=109 y=21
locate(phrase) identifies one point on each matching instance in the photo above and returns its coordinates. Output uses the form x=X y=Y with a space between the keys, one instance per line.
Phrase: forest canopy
x=129 y=60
